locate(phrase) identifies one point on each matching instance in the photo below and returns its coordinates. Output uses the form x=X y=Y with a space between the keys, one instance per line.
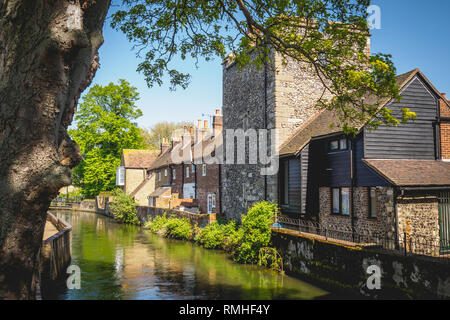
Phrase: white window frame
x=174 y=173
x=204 y=170
x=187 y=172
x=165 y=172
x=120 y=176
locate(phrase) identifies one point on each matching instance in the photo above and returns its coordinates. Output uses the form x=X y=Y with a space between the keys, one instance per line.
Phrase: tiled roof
x=138 y=158
x=165 y=159
x=160 y=191
x=412 y=172
x=321 y=123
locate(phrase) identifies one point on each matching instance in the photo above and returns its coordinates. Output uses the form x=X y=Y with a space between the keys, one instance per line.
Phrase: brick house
x=392 y=181
x=132 y=176
x=191 y=184
x=161 y=169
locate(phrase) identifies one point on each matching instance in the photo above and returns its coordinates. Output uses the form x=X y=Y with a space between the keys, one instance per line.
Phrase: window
x=334 y=145
x=187 y=172
x=340 y=201
x=174 y=173
x=193 y=168
x=372 y=202
x=211 y=202
x=336 y=195
x=120 y=176
x=165 y=172
x=204 y=170
x=345 y=201
x=338 y=145
x=159 y=175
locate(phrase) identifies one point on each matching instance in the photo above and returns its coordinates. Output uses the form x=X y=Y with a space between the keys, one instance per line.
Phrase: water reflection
x=126 y=262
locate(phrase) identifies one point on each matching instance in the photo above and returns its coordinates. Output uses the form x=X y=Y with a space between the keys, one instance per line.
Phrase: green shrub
x=256 y=231
x=170 y=227
x=157 y=225
x=211 y=236
x=217 y=235
x=123 y=208
x=178 y=229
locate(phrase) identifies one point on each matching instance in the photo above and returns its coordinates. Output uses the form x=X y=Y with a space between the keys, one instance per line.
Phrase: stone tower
x=282 y=97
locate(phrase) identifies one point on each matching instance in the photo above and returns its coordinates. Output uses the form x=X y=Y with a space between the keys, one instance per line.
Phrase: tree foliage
x=123 y=208
x=159 y=131
x=328 y=35
x=104 y=127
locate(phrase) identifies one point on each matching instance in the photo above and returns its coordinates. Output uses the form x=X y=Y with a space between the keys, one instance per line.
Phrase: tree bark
x=48 y=56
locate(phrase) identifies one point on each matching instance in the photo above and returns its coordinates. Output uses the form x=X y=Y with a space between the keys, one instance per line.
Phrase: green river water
x=120 y=261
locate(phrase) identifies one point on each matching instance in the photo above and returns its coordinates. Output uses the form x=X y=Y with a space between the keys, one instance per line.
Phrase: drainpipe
x=195 y=180
x=265 y=120
x=220 y=188
x=395 y=191
x=352 y=183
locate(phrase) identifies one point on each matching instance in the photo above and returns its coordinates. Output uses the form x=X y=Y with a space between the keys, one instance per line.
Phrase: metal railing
x=407 y=244
x=64 y=202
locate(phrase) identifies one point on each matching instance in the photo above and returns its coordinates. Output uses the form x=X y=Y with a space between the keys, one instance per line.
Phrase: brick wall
x=444 y=109
x=383 y=224
x=208 y=184
x=445 y=140
x=177 y=183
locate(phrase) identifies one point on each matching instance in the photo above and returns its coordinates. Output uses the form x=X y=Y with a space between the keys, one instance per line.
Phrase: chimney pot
x=206 y=124
x=199 y=124
x=217 y=112
x=443 y=94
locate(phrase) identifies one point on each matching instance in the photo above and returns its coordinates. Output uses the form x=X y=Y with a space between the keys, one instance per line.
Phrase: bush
x=123 y=208
x=171 y=227
x=178 y=229
x=217 y=235
x=157 y=225
x=256 y=231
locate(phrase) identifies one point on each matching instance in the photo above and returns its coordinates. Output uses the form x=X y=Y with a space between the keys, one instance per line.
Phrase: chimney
x=206 y=124
x=199 y=124
x=165 y=145
x=217 y=123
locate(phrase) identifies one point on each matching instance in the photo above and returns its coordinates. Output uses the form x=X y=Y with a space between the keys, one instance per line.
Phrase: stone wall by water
x=56 y=254
x=343 y=267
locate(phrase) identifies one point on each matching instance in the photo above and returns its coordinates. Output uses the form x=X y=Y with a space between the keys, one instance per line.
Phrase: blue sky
x=415 y=32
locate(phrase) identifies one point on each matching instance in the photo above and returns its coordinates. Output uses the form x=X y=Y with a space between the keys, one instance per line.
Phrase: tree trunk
x=48 y=56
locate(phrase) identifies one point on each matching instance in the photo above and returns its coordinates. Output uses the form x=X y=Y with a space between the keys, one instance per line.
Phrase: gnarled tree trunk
x=48 y=56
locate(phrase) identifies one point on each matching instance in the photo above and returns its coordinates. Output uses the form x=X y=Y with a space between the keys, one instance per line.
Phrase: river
x=120 y=261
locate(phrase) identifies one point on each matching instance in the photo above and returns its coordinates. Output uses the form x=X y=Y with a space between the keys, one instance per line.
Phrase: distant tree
x=161 y=130
x=105 y=126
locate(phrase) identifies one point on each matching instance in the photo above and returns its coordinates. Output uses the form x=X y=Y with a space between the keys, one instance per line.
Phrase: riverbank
x=119 y=261
x=55 y=256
